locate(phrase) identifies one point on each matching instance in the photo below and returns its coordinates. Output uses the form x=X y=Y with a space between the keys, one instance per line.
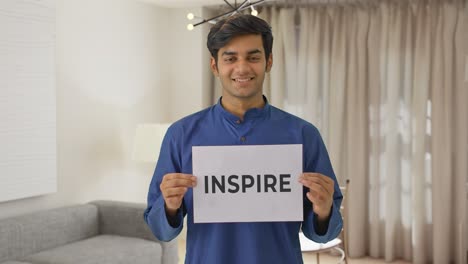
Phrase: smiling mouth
x=242 y=80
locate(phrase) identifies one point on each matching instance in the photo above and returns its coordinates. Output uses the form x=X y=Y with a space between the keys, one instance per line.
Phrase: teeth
x=243 y=80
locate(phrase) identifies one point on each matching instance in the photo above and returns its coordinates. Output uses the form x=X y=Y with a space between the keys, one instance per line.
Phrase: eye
x=229 y=59
x=254 y=59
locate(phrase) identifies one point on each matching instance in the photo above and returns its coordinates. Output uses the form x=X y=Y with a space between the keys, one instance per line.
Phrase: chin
x=246 y=95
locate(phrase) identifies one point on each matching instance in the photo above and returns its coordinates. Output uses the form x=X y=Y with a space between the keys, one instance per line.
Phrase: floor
x=309 y=258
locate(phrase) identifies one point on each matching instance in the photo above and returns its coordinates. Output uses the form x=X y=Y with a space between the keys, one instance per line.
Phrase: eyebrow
x=229 y=53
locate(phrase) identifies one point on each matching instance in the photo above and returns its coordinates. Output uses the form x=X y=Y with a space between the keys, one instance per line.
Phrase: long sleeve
x=155 y=214
x=248 y=242
x=317 y=160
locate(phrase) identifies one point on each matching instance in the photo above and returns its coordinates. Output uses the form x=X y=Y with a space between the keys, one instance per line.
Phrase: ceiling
x=188 y=3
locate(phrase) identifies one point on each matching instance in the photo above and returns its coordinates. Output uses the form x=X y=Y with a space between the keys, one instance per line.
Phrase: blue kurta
x=239 y=243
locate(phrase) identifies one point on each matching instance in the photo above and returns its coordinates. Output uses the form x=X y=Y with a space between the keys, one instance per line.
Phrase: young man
x=241 y=56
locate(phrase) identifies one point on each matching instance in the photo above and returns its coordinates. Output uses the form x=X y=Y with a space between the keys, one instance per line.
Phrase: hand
x=173 y=188
x=321 y=189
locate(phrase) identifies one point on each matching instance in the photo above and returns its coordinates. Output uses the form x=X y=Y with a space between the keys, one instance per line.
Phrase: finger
x=174 y=176
x=320 y=196
x=327 y=187
x=177 y=183
x=314 y=187
x=178 y=191
x=324 y=181
x=170 y=177
x=318 y=199
x=315 y=198
x=317 y=177
x=177 y=175
x=312 y=197
x=317 y=185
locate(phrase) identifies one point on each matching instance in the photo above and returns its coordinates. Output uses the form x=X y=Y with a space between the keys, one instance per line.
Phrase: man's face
x=241 y=67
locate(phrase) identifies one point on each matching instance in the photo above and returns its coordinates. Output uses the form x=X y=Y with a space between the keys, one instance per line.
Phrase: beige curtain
x=384 y=83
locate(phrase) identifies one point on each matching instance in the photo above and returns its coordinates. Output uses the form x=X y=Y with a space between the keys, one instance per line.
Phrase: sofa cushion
x=27 y=234
x=100 y=250
x=123 y=219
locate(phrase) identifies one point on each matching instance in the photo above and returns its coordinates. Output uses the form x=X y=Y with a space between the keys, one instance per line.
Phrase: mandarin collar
x=252 y=113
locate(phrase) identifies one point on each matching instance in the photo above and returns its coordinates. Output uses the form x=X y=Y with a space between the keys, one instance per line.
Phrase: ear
x=269 y=63
x=214 y=67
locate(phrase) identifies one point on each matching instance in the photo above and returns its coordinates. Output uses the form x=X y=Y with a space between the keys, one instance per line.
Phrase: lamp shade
x=148 y=140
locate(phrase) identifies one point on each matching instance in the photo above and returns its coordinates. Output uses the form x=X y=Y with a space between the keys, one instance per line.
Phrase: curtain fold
x=460 y=138
x=357 y=122
x=420 y=173
x=445 y=139
x=384 y=83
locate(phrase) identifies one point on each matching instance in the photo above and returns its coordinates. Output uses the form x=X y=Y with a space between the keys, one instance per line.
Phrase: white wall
x=190 y=74
x=113 y=72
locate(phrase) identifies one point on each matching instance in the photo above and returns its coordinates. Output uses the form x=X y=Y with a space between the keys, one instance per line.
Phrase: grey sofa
x=97 y=232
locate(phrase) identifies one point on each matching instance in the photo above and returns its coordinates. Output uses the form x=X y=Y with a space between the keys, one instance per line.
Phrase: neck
x=238 y=107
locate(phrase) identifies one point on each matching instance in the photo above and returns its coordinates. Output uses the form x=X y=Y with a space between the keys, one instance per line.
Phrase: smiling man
x=241 y=68
x=241 y=47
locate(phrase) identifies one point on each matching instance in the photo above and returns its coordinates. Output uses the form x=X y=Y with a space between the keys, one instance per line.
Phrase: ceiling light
x=254 y=12
x=234 y=9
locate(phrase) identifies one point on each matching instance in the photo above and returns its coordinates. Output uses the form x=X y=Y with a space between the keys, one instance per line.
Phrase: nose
x=242 y=67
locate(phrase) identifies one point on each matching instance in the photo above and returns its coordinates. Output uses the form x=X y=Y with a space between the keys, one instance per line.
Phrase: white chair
x=338 y=244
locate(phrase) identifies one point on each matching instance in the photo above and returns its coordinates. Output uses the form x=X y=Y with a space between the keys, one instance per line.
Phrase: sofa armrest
x=126 y=219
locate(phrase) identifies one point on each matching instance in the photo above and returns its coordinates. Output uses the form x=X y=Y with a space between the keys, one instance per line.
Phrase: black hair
x=226 y=29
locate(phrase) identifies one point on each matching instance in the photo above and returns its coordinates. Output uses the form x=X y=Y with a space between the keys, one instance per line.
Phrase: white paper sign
x=247 y=183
